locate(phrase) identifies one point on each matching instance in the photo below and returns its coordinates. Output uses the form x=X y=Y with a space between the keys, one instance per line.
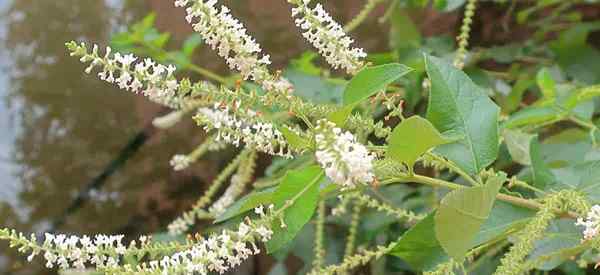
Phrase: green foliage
x=419 y=246
x=411 y=138
x=372 y=80
x=457 y=106
x=461 y=214
x=304 y=186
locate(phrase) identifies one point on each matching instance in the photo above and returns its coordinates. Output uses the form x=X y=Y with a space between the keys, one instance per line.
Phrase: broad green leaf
x=298 y=214
x=419 y=246
x=371 y=80
x=517 y=143
x=457 y=105
x=404 y=34
x=293 y=139
x=246 y=203
x=315 y=88
x=561 y=234
x=502 y=217
x=546 y=83
x=411 y=138
x=541 y=174
x=577 y=58
x=461 y=214
x=533 y=116
x=589 y=179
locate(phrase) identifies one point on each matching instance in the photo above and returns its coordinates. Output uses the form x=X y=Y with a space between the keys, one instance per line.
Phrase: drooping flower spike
x=250 y=130
x=130 y=73
x=229 y=37
x=327 y=36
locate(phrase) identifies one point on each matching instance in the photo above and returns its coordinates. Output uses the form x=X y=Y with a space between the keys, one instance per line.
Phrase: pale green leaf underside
x=461 y=214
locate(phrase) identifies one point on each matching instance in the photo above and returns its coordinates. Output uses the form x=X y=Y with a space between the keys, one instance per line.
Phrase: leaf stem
x=454 y=168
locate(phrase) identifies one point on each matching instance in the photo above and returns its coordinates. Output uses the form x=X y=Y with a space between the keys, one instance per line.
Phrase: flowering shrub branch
x=332 y=156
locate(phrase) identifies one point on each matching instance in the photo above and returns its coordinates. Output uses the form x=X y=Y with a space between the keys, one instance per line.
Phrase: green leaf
x=340 y=116
x=502 y=217
x=588 y=174
x=533 y=116
x=246 y=203
x=561 y=234
x=461 y=214
x=371 y=80
x=298 y=214
x=448 y=5
x=305 y=63
x=315 y=88
x=582 y=95
x=546 y=83
x=542 y=176
x=419 y=246
x=456 y=104
x=518 y=145
x=411 y=138
x=190 y=44
x=404 y=34
x=293 y=139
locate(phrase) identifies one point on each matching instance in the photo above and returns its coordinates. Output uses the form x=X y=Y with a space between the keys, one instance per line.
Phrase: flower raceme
x=252 y=131
x=327 y=36
x=156 y=81
x=217 y=253
x=229 y=38
x=345 y=161
x=100 y=251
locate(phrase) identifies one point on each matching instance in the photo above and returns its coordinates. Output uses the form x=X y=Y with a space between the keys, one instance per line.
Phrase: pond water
x=79 y=156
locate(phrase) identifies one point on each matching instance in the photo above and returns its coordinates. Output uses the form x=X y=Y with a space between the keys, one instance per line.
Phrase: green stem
x=319 y=249
x=527 y=203
x=527 y=186
x=210 y=75
x=454 y=168
x=362 y=15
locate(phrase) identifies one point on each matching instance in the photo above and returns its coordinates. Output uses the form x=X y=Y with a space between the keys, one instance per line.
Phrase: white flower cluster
x=75 y=252
x=229 y=37
x=218 y=253
x=153 y=80
x=345 y=161
x=262 y=136
x=591 y=223
x=180 y=162
x=328 y=37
